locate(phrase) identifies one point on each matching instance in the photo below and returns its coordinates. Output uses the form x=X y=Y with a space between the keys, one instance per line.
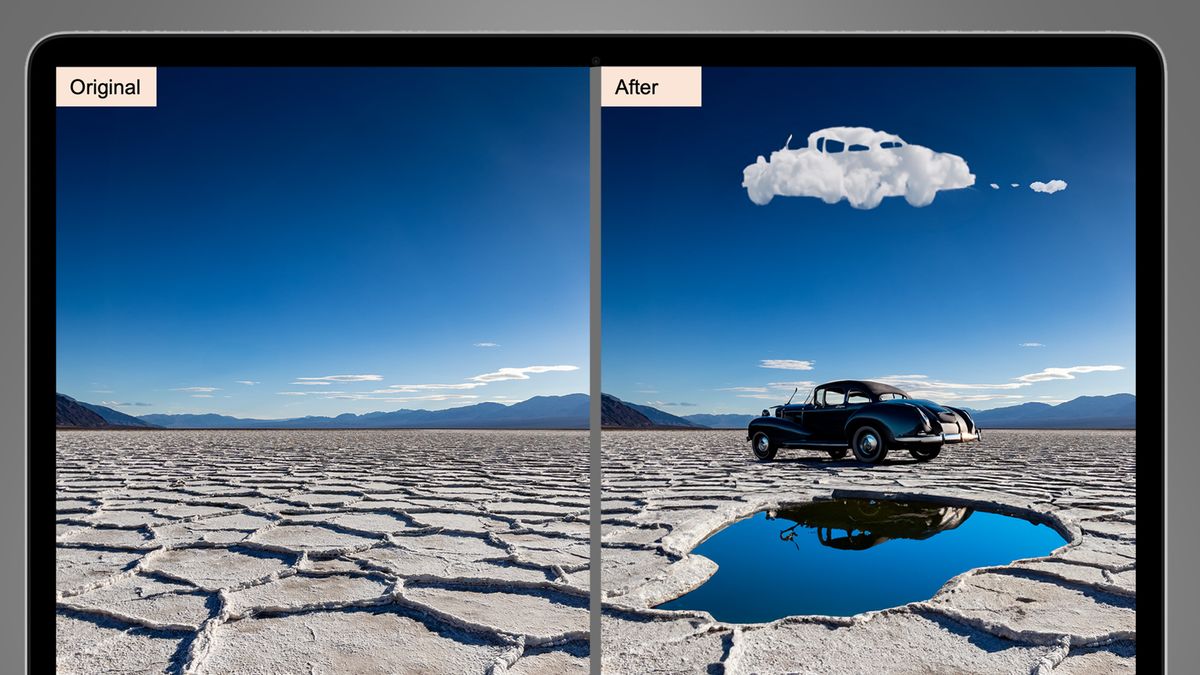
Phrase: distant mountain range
x=70 y=413
x=1117 y=411
x=539 y=412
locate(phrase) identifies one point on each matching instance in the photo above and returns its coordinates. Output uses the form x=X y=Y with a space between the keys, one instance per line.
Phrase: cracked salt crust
x=325 y=552
x=1071 y=612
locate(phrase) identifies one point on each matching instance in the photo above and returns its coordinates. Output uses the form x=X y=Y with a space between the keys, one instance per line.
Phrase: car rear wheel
x=870 y=446
x=925 y=454
x=764 y=448
x=840 y=453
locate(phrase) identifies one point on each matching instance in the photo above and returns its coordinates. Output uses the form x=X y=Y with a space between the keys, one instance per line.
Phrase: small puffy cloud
x=249 y=383
x=994 y=186
x=1016 y=185
x=199 y=390
x=786 y=364
x=342 y=378
x=1030 y=344
x=519 y=373
x=486 y=344
x=1048 y=188
x=1065 y=373
x=862 y=166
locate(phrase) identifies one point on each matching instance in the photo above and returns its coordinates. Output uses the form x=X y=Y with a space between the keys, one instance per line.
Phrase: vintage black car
x=870 y=418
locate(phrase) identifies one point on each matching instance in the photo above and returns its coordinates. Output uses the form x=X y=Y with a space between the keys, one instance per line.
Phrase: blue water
x=894 y=553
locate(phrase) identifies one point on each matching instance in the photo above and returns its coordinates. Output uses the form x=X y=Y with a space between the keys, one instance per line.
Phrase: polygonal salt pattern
x=290 y=551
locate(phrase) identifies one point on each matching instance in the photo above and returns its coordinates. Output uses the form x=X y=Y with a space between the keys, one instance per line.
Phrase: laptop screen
x=560 y=354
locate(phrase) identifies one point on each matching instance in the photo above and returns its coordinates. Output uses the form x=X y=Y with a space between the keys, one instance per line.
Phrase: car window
x=890 y=396
x=857 y=397
x=834 y=397
x=833 y=145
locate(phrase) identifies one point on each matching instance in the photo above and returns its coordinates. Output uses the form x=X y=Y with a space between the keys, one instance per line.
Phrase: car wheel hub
x=762 y=443
x=868 y=443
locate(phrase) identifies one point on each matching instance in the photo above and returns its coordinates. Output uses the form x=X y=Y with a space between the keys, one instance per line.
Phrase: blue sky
x=985 y=297
x=383 y=229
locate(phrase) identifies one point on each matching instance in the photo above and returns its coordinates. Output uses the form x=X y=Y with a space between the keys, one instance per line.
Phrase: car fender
x=779 y=429
x=890 y=420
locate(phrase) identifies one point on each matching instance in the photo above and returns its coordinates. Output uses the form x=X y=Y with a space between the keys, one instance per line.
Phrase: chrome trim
x=939 y=438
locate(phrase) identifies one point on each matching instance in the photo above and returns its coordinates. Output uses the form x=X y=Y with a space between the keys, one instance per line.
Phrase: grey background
x=1172 y=26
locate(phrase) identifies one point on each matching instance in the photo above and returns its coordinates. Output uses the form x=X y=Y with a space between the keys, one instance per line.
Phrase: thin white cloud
x=994 y=186
x=401 y=399
x=486 y=344
x=973 y=398
x=1030 y=344
x=315 y=383
x=518 y=373
x=923 y=383
x=202 y=395
x=863 y=178
x=293 y=393
x=120 y=404
x=1049 y=187
x=202 y=390
x=765 y=397
x=342 y=378
x=746 y=390
x=1065 y=373
x=786 y=364
x=249 y=383
x=665 y=404
x=803 y=384
x=412 y=388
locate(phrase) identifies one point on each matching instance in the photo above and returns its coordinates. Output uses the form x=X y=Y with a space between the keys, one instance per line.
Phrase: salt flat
x=322 y=551
x=1070 y=612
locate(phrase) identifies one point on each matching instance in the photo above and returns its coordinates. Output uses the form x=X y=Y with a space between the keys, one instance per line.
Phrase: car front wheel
x=764 y=447
x=925 y=454
x=870 y=446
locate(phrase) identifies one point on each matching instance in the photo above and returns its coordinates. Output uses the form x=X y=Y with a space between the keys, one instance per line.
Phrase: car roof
x=875 y=388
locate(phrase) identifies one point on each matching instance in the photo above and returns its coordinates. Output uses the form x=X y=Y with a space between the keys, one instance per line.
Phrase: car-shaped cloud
x=870 y=418
x=858 y=164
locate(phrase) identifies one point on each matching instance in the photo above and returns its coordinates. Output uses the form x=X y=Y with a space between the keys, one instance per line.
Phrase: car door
x=827 y=421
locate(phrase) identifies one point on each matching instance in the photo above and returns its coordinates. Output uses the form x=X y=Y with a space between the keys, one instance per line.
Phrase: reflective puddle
x=845 y=556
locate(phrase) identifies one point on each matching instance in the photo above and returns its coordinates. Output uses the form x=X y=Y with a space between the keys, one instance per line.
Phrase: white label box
x=116 y=87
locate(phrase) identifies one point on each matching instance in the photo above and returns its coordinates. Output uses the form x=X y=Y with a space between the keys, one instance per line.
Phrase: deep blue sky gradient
x=269 y=224
x=700 y=284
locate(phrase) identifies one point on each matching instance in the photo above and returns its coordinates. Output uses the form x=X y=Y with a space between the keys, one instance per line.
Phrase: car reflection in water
x=868 y=522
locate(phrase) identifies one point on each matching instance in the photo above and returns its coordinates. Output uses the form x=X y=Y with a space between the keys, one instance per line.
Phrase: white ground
x=1070 y=612
x=322 y=552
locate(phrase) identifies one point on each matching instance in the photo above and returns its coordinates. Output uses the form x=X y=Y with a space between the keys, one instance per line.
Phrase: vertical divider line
x=594 y=581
